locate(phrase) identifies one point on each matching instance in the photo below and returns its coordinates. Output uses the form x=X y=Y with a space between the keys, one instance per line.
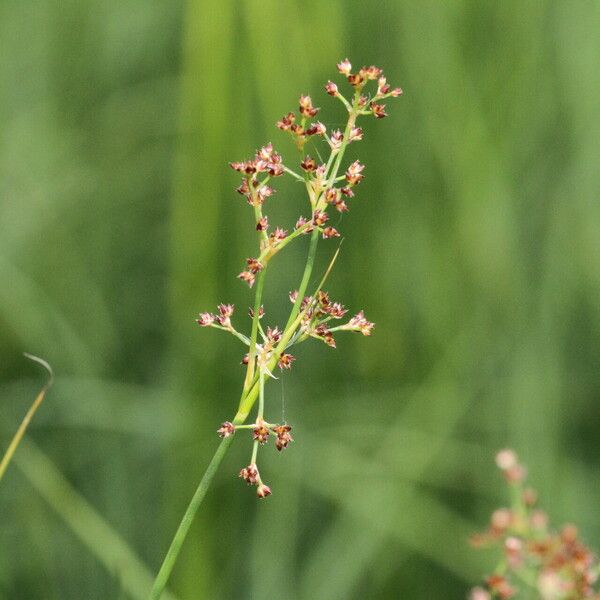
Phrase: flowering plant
x=328 y=187
x=535 y=559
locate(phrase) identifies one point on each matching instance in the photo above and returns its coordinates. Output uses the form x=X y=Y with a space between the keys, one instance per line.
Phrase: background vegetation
x=473 y=244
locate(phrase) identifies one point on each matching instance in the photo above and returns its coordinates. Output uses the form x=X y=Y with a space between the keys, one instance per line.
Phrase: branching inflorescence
x=313 y=315
x=328 y=187
x=536 y=560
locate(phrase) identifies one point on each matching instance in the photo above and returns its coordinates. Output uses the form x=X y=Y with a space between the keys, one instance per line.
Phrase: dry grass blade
x=27 y=419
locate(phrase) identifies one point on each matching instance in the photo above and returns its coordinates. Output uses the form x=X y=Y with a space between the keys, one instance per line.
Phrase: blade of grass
x=85 y=522
x=12 y=447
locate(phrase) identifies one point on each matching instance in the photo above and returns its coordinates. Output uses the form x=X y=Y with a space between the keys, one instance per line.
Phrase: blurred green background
x=474 y=244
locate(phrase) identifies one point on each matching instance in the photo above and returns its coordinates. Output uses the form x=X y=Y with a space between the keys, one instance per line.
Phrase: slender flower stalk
x=310 y=316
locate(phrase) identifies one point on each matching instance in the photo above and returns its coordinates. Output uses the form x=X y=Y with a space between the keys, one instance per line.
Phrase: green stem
x=182 y=531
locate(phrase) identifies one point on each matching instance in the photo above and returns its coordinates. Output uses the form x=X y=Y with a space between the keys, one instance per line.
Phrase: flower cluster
x=329 y=187
x=554 y=564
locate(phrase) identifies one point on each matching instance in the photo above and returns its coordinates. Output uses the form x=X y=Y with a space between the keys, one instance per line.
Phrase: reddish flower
x=285 y=361
x=254 y=265
x=371 y=72
x=309 y=164
x=356 y=134
x=283 y=436
x=205 y=319
x=378 y=110
x=306 y=107
x=260 y=433
x=263 y=491
x=336 y=310
x=261 y=313
x=250 y=474
x=319 y=218
x=262 y=224
x=286 y=121
x=344 y=67
x=354 y=173
x=359 y=323
x=248 y=277
x=330 y=232
x=356 y=80
x=226 y=429
x=316 y=129
x=336 y=139
x=278 y=235
x=225 y=312
x=323 y=332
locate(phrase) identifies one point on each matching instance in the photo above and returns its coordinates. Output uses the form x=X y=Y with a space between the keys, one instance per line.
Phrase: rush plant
x=329 y=186
x=535 y=560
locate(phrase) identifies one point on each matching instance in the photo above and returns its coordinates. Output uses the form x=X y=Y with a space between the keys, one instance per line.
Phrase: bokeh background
x=474 y=244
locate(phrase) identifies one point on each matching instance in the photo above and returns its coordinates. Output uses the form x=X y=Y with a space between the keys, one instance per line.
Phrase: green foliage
x=475 y=250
